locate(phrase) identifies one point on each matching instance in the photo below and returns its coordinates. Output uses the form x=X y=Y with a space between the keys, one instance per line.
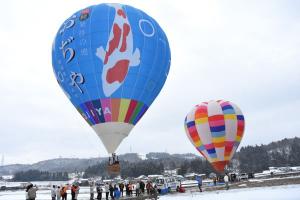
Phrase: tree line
x=276 y=154
x=36 y=175
x=249 y=159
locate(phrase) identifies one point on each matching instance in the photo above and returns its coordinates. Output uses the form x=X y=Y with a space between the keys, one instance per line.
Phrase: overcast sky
x=247 y=52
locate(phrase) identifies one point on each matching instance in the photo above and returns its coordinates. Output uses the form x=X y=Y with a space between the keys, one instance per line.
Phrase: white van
x=166 y=184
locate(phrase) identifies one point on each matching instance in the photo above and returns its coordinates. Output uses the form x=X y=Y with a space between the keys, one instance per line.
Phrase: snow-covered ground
x=286 y=192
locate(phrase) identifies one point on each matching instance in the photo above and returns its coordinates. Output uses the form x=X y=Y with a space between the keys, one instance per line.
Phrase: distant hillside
x=249 y=159
x=285 y=152
x=53 y=165
x=76 y=164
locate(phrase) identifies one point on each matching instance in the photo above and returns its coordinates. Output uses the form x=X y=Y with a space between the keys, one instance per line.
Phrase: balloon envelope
x=215 y=128
x=111 y=60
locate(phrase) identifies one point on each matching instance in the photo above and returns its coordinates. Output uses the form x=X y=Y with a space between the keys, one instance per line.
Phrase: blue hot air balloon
x=111 y=61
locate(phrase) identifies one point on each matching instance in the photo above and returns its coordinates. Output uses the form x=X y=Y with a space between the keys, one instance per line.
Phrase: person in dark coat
x=121 y=186
x=142 y=187
x=127 y=189
x=111 y=191
x=73 y=190
x=99 y=192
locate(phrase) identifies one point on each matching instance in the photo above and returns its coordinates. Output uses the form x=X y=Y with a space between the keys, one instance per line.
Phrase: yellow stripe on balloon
x=214 y=159
x=201 y=120
x=238 y=138
x=226 y=157
x=198 y=143
x=230 y=116
x=218 y=139
x=123 y=109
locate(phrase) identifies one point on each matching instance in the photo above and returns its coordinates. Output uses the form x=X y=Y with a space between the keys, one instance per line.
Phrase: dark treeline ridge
x=128 y=169
x=153 y=166
x=36 y=175
x=249 y=159
x=276 y=154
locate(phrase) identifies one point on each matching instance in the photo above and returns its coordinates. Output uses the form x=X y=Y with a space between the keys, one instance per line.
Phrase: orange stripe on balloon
x=219 y=165
x=216 y=118
x=220 y=144
x=115 y=106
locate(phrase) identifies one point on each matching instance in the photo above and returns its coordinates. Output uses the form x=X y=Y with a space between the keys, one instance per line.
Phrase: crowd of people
x=98 y=191
x=115 y=191
x=60 y=192
x=108 y=190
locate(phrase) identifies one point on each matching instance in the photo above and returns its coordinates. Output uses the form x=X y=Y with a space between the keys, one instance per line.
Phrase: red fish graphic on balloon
x=118 y=56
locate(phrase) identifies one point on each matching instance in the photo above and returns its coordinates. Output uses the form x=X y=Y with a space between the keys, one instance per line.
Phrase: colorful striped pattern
x=215 y=128
x=112 y=110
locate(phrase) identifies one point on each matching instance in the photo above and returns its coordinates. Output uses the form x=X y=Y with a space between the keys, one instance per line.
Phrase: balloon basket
x=114 y=169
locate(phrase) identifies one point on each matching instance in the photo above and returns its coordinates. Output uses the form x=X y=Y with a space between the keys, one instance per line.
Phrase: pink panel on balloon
x=106 y=108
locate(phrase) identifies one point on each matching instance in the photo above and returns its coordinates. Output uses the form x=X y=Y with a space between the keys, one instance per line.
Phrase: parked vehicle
x=243 y=176
x=166 y=184
x=250 y=175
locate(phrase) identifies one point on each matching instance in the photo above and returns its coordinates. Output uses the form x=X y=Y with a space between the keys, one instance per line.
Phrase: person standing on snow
x=215 y=181
x=58 y=193
x=111 y=191
x=226 y=180
x=106 y=190
x=137 y=189
x=117 y=193
x=127 y=189
x=32 y=192
x=148 y=186
x=63 y=192
x=130 y=188
x=99 y=192
x=73 y=190
x=142 y=187
x=26 y=192
x=92 y=188
x=199 y=180
x=121 y=186
x=77 y=192
x=53 y=192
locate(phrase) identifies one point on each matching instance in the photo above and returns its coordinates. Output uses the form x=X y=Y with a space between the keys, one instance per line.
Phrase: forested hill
x=285 y=152
x=249 y=159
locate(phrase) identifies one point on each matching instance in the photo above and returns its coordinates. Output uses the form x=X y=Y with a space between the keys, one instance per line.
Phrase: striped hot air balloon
x=215 y=128
x=111 y=61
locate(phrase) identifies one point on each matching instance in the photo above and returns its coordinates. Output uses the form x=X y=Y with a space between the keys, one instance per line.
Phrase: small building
x=171 y=172
x=192 y=176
